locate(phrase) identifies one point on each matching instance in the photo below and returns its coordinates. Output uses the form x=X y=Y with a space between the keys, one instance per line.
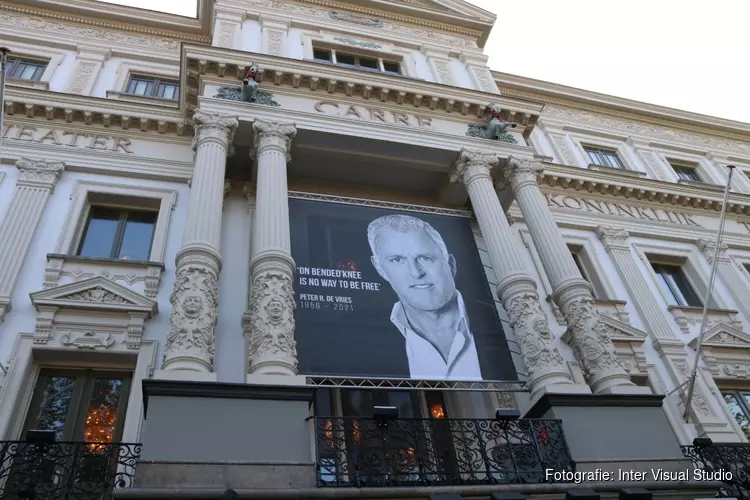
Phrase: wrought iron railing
x=726 y=462
x=65 y=470
x=360 y=452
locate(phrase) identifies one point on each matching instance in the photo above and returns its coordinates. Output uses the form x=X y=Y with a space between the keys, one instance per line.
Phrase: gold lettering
x=352 y=111
x=319 y=106
x=51 y=134
x=123 y=144
x=424 y=121
x=98 y=142
x=26 y=134
x=377 y=114
x=401 y=117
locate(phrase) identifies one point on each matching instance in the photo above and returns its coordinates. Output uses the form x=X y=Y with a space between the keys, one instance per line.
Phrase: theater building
x=315 y=246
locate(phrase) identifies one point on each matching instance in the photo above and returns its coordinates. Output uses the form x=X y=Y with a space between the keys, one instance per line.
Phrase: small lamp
x=37 y=436
x=582 y=494
x=704 y=441
x=507 y=414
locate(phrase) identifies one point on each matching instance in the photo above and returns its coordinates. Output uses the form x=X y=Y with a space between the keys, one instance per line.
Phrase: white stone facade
x=198 y=307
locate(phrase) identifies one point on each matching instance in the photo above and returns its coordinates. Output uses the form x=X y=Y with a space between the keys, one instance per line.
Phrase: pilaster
x=654 y=165
x=227 y=27
x=274 y=33
x=727 y=273
x=37 y=182
x=587 y=334
x=476 y=66
x=615 y=242
x=440 y=64
x=272 y=349
x=516 y=289
x=88 y=64
x=189 y=348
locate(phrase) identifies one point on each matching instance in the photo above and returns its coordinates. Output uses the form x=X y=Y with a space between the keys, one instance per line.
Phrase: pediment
x=450 y=7
x=723 y=335
x=97 y=293
x=621 y=332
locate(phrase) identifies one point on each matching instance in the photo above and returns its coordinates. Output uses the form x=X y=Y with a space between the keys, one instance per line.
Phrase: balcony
x=726 y=462
x=366 y=452
x=38 y=470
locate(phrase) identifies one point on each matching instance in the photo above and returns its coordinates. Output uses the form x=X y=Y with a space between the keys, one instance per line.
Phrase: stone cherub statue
x=496 y=128
x=250 y=91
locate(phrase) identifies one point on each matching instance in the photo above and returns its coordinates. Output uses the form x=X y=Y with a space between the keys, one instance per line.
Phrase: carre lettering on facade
x=621 y=209
x=60 y=137
x=373 y=114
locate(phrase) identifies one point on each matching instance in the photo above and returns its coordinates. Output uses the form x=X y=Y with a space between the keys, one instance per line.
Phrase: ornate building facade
x=195 y=215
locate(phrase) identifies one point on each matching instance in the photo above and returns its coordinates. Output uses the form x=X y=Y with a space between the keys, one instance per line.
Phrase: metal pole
x=709 y=294
x=3 y=65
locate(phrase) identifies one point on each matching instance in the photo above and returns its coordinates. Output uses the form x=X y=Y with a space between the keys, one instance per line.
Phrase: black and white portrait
x=430 y=313
x=383 y=293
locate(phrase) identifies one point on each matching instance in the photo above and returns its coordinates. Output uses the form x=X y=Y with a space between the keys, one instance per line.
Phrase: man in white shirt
x=412 y=257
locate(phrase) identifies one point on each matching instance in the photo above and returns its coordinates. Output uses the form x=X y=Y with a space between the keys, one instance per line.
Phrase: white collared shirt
x=426 y=363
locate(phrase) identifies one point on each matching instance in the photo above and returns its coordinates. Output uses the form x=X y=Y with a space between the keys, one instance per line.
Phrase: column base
x=612 y=428
x=285 y=380
x=185 y=375
x=558 y=389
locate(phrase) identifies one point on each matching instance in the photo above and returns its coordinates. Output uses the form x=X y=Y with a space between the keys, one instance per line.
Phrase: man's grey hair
x=403 y=224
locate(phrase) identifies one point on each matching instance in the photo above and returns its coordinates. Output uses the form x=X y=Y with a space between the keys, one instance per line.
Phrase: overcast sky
x=685 y=54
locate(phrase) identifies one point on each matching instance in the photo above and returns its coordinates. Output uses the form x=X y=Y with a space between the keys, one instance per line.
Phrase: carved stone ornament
x=98 y=295
x=358 y=43
x=531 y=327
x=590 y=338
x=355 y=19
x=272 y=324
x=195 y=304
x=273 y=135
x=261 y=96
x=214 y=127
x=520 y=172
x=613 y=238
x=472 y=165
x=89 y=340
x=40 y=171
x=496 y=127
x=708 y=247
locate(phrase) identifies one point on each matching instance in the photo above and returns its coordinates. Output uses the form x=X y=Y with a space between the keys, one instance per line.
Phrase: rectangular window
x=26 y=69
x=603 y=157
x=118 y=234
x=153 y=87
x=739 y=404
x=673 y=281
x=586 y=272
x=368 y=63
x=686 y=172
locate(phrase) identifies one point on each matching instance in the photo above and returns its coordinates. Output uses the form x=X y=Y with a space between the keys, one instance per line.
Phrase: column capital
x=40 y=173
x=613 y=238
x=708 y=247
x=214 y=127
x=274 y=135
x=520 y=172
x=473 y=165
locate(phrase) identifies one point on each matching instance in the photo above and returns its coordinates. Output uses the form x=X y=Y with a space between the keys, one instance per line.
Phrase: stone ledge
x=549 y=401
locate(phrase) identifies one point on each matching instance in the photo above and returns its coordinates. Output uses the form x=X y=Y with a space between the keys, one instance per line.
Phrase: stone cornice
x=615 y=185
x=198 y=62
x=112 y=113
x=118 y=17
x=559 y=95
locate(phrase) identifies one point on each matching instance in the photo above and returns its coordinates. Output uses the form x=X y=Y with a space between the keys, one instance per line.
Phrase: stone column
x=37 y=182
x=272 y=349
x=587 y=334
x=515 y=288
x=190 y=343
x=615 y=242
x=728 y=274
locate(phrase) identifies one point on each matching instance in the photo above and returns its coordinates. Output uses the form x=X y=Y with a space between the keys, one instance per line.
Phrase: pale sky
x=686 y=54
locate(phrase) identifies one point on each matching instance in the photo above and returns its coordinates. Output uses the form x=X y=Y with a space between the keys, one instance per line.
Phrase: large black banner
x=392 y=294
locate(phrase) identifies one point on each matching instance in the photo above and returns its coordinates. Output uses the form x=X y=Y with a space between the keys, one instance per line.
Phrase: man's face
x=416 y=270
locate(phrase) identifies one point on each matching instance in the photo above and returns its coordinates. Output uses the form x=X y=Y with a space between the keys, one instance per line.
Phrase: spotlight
x=702 y=442
x=385 y=413
x=635 y=494
x=40 y=437
x=507 y=495
x=507 y=414
x=582 y=494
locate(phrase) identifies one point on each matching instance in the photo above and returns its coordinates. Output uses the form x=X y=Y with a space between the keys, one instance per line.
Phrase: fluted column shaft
x=37 y=182
x=516 y=289
x=728 y=274
x=615 y=241
x=195 y=296
x=272 y=349
x=588 y=335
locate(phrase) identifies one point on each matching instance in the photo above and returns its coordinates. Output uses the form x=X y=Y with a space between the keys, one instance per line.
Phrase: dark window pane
x=738 y=411
x=101 y=417
x=25 y=69
x=604 y=158
x=141 y=86
x=54 y=406
x=136 y=240
x=675 y=282
x=366 y=62
x=322 y=55
x=688 y=174
x=101 y=231
x=391 y=67
x=345 y=59
x=168 y=91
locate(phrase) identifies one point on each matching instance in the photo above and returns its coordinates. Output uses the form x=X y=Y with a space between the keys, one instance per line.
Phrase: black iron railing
x=65 y=470
x=359 y=452
x=726 y=462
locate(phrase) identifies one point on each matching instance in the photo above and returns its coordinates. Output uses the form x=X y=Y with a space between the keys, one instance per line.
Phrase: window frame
x=590 y=148
x=584 y=264
x=681 y=167
x=41 y=67
x=156 y=81
x=333 y=52
x=123 y=218
x=744 y=406
x=673 y=287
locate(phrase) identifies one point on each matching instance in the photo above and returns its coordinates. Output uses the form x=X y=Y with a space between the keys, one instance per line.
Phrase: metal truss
x=409 y=384
x=381 y=204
